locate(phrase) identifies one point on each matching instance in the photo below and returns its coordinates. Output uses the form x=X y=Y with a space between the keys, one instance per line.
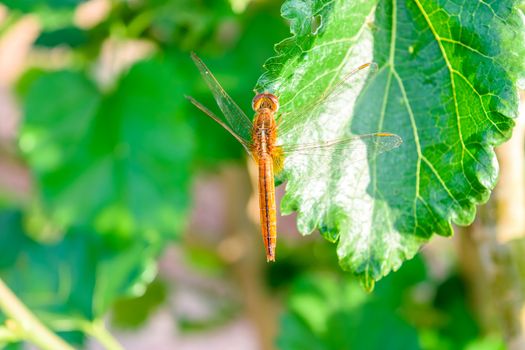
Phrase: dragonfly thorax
x=265 y=101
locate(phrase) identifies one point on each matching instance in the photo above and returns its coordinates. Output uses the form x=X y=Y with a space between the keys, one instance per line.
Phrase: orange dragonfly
x=260 y=139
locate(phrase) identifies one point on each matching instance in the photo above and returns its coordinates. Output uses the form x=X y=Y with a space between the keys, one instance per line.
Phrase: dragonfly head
x=265 y=101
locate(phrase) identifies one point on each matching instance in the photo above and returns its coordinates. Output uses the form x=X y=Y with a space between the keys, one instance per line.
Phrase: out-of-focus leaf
x=446 y=83
x=487 y=343
x=450 y=323
x=459 y=326
x=70 y=36
x=35 y=5
x=133 y=312
x=327 y=313
x=76 y=279
x=406 y=311
x=120 y=162
x=26 y=81
x=52 y=130
x=13 y=346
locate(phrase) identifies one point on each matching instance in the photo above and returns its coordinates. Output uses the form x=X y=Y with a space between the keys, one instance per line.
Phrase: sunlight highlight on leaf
x=445 y=83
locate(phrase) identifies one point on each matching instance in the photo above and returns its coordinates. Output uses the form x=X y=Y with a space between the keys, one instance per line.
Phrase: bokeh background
x=122 y=203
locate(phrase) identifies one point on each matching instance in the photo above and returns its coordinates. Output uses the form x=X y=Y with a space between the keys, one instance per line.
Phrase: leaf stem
x=98 y=330
x=29 y=327
x=8 y=336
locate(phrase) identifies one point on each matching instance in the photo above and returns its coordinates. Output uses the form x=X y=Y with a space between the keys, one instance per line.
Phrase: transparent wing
x=292 y=118
x=239 y=124
x=221 y=123
x=346 y=149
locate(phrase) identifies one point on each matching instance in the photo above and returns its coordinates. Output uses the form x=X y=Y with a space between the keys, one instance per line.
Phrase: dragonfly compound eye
x=265 y=101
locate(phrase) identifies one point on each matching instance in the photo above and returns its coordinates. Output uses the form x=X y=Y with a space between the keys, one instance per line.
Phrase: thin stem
x=98 y=330
x=8 y=336
x=27 y=324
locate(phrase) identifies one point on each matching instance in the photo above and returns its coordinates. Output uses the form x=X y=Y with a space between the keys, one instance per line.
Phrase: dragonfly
x=260 y=140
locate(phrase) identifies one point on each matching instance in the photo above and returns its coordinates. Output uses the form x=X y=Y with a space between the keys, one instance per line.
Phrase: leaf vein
x=414 y=130
x=492 y=10
x=452 y=82
x=457 y=42
x=441 y=181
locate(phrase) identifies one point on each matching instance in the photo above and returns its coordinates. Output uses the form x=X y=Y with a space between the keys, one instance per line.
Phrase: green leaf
x=445 y=82
x=74 y=280
x=35 y=5
x=120 y=162
x=408 y=310
x=68 y=36
x=459 y=325
x=328 y=313
x=131 y=313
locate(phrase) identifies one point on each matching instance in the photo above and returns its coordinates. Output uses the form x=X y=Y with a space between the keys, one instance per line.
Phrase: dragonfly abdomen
x=264 y=136
x=267 y=206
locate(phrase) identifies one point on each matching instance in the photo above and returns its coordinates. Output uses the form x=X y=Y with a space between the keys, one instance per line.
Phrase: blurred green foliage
x=28 y=6
x=75 y=281
x=408 y=310
x=112 y=163
x=115 y=145
x=134 y=311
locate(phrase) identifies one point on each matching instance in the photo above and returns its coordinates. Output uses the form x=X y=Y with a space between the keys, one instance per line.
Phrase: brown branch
x=492 y=248
x=510 y=191
x=248 y=268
